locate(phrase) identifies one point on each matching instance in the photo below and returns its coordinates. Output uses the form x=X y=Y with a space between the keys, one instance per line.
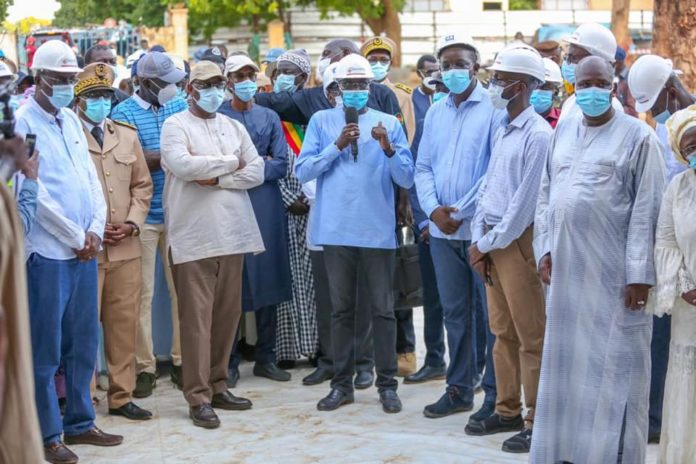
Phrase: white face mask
x=428 y=83
x=321 y=67
x=166 y=94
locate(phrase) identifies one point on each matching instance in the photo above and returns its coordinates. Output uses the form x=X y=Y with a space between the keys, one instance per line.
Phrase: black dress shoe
x=177 y=377
x=390 y=401
x=486 y=411
x=495 y=424
x=334 y=400
x=364 y=380
x=318 y=376
x=287 y=364
x=520 y=443
x=426 y=373
x=131 y=411
x=452 y=402
x=204 y=416
x=232 y=377
x=229 y=402
x=58 y=453
x=145 y=382
x=271 y=371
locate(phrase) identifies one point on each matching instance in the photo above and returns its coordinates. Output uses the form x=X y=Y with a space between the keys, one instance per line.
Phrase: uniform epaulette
x=404 y=87
x=125 y=124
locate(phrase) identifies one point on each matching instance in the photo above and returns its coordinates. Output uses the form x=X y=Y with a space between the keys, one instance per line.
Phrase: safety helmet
x=520 y=60
x=55 y=55
x=646 y=79
x=552 y=72
x=354 y=66
x=596 y=39
x=456 y=38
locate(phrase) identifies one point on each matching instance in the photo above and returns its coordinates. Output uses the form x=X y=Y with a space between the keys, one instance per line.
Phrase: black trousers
x=370 y=273
x=364 y=360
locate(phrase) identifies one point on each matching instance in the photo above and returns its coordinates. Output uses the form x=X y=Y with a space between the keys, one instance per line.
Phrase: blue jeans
x=457 y=282
x=659 y=354
x=64 y=327
x=484 y=344
x=433 y=325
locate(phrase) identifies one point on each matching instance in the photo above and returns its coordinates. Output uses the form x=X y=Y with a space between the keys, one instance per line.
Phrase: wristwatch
x=136 y=229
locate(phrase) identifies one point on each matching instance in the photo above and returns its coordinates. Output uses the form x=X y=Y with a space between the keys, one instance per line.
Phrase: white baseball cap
x=55 y=55
x=354 y=66
x=596 y=39
x=520 y=60
x=646 y=79
x=5 y=70
x=329 y=76
x=552 y=72
x=455 y=38
x=236 y=62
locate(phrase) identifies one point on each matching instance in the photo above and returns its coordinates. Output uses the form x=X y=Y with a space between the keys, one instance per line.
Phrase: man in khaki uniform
x=379 y=52
x=127 y=187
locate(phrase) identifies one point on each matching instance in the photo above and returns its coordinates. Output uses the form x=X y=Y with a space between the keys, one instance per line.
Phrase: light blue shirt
x=355 y=201
x=453 y=157
x=509 y=193
x=70 y=200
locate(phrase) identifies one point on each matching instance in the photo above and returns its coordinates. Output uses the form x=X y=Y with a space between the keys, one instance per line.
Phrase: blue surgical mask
x=593 y=101
x=541 y=100
x=457 y=80
x=355 y=98
x=62 y=95
x=380 y=71
x=97 y=109
x=692 y=160
x=285 y=83
x=439 y=96
x=245 y=90
x=209 y=100
x=181 y=93
x=662 y=117
x=568 y=71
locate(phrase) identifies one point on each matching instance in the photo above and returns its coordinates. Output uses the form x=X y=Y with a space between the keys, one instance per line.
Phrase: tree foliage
x=4 y=8
x=78 y=13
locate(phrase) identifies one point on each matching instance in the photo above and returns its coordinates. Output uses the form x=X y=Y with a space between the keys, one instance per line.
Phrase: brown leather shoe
x=204 y=416
x=94 y=437
x=229 y=402
x=58 y=453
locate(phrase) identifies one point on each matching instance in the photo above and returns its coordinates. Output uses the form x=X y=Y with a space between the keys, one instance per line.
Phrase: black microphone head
x=351 y=115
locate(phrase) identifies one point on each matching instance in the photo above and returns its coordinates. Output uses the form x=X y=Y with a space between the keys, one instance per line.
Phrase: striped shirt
x=148 y=120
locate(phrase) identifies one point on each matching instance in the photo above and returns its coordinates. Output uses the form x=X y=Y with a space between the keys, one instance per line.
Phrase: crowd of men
x=533 y=195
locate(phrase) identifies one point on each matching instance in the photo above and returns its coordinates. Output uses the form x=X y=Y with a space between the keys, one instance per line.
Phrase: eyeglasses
x=63 y=80
x=353 y=85
x=97 y=94
x=384 y=61
x=458 y=65
x=208 y=85
x=502 y=82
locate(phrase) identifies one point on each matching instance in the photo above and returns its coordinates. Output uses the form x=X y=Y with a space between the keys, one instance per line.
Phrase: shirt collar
x=50 y=117
x=91 y=126
x=475 y=97
x=522 y=118
x=141 y=103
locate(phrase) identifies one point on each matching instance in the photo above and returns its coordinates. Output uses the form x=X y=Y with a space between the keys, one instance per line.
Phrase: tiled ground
x=285 y=427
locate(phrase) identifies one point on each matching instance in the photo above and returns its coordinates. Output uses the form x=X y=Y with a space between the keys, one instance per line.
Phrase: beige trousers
x=153 y=237
x=517 y=318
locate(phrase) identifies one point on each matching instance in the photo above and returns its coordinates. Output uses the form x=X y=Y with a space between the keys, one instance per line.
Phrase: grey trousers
x=368 y=272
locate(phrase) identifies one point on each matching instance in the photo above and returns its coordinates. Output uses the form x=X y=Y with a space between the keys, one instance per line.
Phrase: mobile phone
x=30 y=140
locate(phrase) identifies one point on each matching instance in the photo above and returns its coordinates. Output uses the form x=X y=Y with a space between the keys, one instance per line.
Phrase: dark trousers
x=659 y=354
x=405 y=332
x=457 y=282
x=363 y=331
x=266 y=325
x=485 y=340
x=369 y=272
x=433 y=323
x=64 y=330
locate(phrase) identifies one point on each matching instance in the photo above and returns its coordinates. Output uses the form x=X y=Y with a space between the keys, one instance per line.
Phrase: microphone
x=352 y=117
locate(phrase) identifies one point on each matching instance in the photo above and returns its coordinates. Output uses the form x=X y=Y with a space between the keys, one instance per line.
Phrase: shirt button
x=103 y=157
x=108 y=173
x=111 y=190
x=113 y=211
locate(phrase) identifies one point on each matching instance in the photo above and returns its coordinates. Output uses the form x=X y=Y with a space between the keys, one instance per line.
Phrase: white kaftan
x=596 y=216
x=675 y=264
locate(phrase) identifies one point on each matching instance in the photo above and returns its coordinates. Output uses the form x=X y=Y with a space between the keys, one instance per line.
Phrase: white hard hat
x=596 y=39
x=354 y=66
x=329 y=76
x=552 y=72
x=55 y=55
x=646 y=79
x=520 y=60
x=5 y=70
x=455 y=38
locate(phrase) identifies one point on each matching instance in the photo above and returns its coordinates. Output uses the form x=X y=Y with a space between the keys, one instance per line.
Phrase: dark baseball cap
x=158 y=65
x=213 y=54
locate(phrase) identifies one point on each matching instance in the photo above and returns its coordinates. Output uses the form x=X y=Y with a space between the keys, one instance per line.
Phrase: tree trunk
x=619 y=22
x=674 y=36
x=390 y=24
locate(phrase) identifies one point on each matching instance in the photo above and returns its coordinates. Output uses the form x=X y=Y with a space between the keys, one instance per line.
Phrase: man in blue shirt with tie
x=449 y=170
x=355 y=222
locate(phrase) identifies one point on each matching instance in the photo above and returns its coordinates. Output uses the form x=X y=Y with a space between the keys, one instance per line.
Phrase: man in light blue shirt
x=61 y=248
x=356 y=165
x=452 y=160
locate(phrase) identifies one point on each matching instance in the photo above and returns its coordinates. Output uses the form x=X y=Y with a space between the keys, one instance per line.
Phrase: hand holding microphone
x=349 y=136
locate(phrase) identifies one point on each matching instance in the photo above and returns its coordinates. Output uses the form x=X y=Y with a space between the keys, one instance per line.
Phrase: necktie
x=98 y=135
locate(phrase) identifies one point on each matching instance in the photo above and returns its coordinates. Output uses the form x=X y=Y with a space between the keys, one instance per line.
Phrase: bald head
x=594 y=71
x=338 y=48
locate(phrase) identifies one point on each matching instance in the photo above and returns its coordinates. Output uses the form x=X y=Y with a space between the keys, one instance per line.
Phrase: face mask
x=322 y=65
x=62 y=95
x=339 y=101
x=245 y=90
x=285 y=83
x=181 y=93
x=380 y=71
x=428 y=82
x=209 y=100
x=541 y=100
x=355 y=98
x=496 y=94
x=439 y=96
x=568 y=71
x=664 y=116
x=166 y=94
x=593 y=101
x=97 y=109
x=692 y=160
x=229 y=95
x=457 y=80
